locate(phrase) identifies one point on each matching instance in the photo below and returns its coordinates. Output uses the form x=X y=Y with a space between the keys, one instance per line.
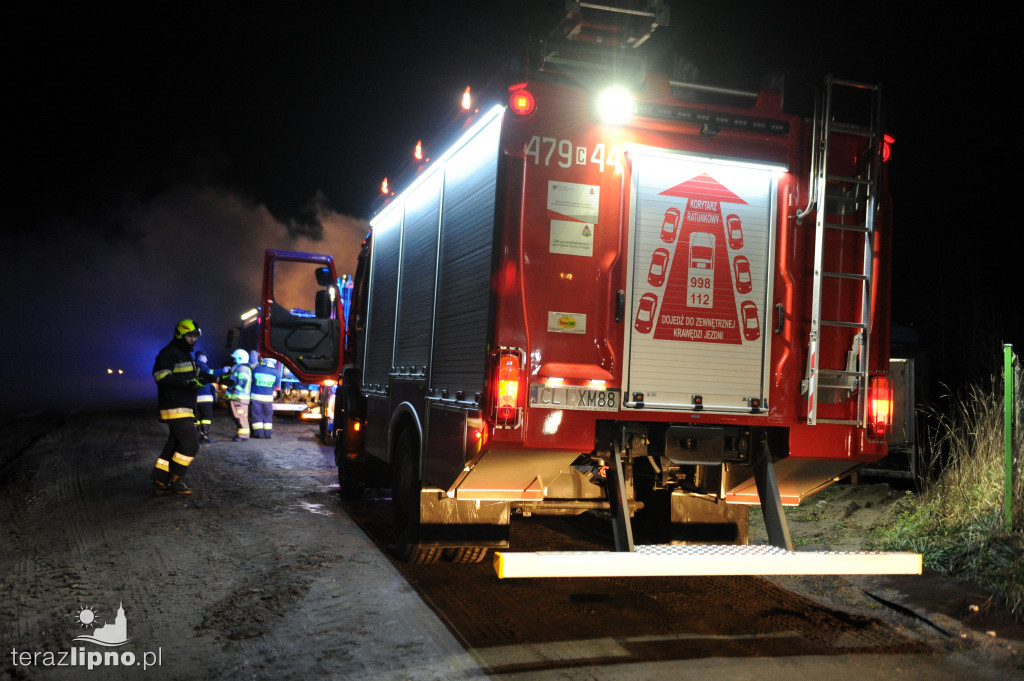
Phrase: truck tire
x=406 y=487
x=465 y=554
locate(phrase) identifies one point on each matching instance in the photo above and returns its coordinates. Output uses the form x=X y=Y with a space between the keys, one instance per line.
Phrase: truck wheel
x=351 y=473
x=405 y=500
x=465 y=554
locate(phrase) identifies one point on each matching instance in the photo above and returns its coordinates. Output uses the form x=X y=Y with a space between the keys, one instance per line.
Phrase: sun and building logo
x=108 y=635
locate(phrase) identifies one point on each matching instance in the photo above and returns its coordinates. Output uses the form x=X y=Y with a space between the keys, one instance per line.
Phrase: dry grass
x=957 y=521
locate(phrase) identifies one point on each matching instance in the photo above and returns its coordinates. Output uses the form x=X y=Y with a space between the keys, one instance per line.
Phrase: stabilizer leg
x=771 y=501
x=622 y=529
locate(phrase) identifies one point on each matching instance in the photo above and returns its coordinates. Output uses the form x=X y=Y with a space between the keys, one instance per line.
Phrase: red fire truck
x=509 y=351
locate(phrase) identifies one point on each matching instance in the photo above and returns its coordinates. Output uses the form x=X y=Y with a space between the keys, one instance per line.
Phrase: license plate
x=573 y=397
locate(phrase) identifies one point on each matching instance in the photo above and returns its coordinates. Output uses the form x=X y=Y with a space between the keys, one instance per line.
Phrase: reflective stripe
x=176 y=413
x=262 y=398
x=204 y=398
x=163 y=373
x=163 y=464
x=184 y=367
x=181 y=459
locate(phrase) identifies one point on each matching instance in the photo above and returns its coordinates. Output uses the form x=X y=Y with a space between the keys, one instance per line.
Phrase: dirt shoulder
x=841 y=518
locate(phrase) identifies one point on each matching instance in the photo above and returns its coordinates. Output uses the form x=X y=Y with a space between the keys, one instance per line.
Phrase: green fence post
x=1008 y=414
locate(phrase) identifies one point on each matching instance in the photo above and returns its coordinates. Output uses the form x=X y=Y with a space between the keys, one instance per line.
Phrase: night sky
x=155 y=150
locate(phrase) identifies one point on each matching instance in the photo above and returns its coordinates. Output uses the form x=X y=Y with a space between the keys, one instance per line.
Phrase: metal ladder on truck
x=857 y=196
x=594 y=36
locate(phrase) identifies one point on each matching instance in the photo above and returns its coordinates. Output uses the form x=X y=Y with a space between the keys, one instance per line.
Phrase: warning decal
x=700 y=264
x=699 y=302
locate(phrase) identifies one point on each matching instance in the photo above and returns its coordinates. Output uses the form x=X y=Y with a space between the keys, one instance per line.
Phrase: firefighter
x=238 y=394
x=206 y=397
x=265 y=382
x=178 y=379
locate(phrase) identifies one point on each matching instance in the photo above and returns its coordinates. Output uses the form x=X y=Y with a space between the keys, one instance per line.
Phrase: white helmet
x=240 y=356
x=269 y=362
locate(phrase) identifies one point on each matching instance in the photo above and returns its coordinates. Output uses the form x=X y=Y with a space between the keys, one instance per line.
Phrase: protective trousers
x=181 y=448
x=204 y=413
x=262 y=419
x=240 y=412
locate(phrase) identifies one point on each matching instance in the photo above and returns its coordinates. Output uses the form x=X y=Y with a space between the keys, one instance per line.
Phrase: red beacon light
x=522 y=102
x=887 y=142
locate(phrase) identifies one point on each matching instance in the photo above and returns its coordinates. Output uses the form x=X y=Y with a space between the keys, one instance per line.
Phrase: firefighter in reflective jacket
x=265 y=381
x=206 y=397
x=238 y=394
x=177 y=379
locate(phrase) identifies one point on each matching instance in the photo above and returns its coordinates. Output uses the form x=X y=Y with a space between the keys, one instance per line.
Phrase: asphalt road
x=263 y=573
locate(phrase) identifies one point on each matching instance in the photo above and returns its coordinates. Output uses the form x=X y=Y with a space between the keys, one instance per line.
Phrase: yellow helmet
x=186 y=326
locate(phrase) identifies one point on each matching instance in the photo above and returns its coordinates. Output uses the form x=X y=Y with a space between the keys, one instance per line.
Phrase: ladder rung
x=853 y=84
x=845 y=325
x=839 y=372
x=847 y=179
x=838 y=422
x=845 y=275
x=850 y=129
x=863 y=229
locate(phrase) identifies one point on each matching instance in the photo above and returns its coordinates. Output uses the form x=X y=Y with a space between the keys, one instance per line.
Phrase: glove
x=205 y=379
x=196 y=383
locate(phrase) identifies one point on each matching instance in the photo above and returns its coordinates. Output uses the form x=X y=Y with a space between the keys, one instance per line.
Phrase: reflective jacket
x=241 y=374
x=173 y=372
x=208 y=393
x=264 y=382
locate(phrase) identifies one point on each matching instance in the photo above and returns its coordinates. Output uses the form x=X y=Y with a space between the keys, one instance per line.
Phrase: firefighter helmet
x=269 y=362
x=186 y=326
x=240 y=356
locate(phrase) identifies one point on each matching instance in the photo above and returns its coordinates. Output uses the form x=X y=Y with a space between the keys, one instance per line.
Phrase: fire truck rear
x=665 y=314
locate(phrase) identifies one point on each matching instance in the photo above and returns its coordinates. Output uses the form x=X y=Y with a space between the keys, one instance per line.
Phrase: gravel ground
x=263 y=573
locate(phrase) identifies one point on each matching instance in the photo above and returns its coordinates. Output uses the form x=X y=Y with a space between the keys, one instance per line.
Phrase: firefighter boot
x=161 y=488
x=177 y=486
x=204 y=434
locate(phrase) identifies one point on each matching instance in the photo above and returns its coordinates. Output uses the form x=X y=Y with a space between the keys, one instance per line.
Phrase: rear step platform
x=659 y=560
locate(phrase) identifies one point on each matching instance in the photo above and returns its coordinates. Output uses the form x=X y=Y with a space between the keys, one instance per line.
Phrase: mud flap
x=453 y=523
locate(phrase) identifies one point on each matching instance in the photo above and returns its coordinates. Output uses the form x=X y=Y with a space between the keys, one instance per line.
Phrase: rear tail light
x=879 y=406
x=522 y=102
x=508 y=392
